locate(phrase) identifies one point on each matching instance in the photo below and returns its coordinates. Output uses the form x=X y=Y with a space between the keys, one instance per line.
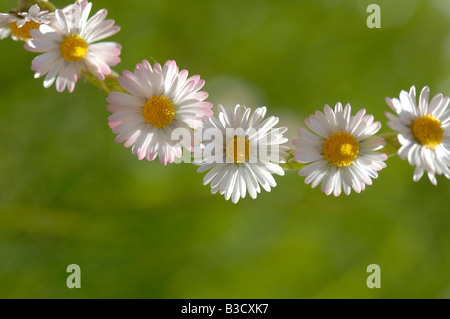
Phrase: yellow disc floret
x=23 y=33
x=427 y=131
x=238 y=150
x=340 y=149
x=74 y=48
x=159 y=111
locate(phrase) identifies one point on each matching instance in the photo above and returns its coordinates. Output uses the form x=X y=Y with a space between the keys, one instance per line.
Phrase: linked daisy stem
x=392 y=144
x=290 y=164
x=110 y=84
x=24 y=4
x=45 y=5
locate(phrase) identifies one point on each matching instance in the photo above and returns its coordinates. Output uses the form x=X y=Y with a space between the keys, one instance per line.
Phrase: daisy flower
x=69 y=46
x=159 y=102
x=19 y=25
x=235 y=151
x=342 y=151
x=424 y=132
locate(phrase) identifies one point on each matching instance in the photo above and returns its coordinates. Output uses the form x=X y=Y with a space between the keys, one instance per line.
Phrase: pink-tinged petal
x=373 y=143
x=104 y=30
x=124 y=99
x=107 y=52
x=95 y=20
x=21 y=23
x=129 y=82
x=307 y=135
x=34 y=10
x=73 y=75
x=49 y=31
x=200 y=108
x=170 y=71
x=51 y=75
x=97 y=67
x=70 y=85
x=142 y=153
x=143 y=84
x=391 y=104
x=123 y=116
x=132 y=139
x=44 y=62
x=147 y=66
x=85 y=10
x=61 y=80
x=369 y=131
x=314 y=126
x=61 y=19
x=130 y=125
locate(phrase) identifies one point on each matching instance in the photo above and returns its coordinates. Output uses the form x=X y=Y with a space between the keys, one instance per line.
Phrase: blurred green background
x=69 y=194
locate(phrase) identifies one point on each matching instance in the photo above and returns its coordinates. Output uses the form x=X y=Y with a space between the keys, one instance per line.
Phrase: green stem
x=290 y=164
x=24 y=5
x=45 y=5
x=109 y=84
x=392 y=144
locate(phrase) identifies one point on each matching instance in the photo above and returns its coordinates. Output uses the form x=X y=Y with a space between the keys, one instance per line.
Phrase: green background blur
x=69 y=194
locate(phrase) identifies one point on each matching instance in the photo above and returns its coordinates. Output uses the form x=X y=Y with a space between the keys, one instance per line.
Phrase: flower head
x=241 y=152
x=69 y=46
x=342 y=151
x=19 y=25
x=159 y=101
x=424 y=132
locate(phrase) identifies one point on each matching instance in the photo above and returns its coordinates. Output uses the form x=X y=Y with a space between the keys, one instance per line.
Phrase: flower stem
x=392 y=144
x=291 y=164
x=109 y=84
x=24 y=5
x=45 y=5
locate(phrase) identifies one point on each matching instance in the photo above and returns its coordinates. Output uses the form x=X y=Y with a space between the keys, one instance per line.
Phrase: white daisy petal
x=162 y=118
x=69 y=41
x=423 y=131
x=251 y=168
x=21 y=25
x=342 y=155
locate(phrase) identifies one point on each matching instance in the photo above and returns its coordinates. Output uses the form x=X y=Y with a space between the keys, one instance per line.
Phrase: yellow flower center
x=23 y=33
x=340 y=149
x=238 y=150
x=74 y=48
x=159 y=111
x=428 y=131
